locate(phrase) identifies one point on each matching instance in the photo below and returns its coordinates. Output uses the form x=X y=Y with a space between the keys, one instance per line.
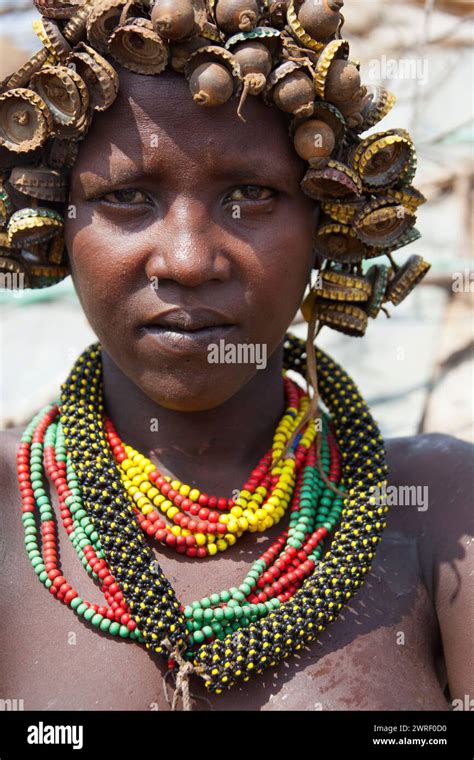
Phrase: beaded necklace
x=203 y=531
x=287 y=597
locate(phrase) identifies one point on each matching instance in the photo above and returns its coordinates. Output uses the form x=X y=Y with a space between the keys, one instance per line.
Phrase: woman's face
x=189 y=228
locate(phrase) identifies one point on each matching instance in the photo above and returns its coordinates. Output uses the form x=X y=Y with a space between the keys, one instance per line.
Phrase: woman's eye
x=251 y=193
x=131 y=197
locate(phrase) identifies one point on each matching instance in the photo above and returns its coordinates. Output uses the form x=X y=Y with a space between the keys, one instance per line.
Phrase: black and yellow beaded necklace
x=76 y=454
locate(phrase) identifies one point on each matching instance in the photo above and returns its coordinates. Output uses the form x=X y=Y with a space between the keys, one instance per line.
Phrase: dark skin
x=407 y=632
x=186 y=236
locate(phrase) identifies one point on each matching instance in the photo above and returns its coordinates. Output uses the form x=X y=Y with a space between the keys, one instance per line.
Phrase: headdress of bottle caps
x=289 y=52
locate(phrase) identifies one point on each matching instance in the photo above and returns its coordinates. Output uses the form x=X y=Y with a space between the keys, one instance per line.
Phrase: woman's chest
x=379 y=653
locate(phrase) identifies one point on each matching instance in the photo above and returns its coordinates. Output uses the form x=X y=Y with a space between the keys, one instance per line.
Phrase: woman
x=188 y=231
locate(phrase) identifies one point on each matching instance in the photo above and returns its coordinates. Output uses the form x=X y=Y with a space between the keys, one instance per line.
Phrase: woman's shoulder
x=427 y=448
x=434 y=472
x=431 y=484
x=430 y=494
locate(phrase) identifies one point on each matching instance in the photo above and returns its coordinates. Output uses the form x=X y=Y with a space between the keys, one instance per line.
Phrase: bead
x=267 y=615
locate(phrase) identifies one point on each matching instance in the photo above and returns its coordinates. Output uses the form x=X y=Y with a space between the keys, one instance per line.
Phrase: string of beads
x=287 y=597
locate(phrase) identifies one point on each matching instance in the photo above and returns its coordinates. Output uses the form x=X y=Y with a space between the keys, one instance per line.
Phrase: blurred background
x=415 y=369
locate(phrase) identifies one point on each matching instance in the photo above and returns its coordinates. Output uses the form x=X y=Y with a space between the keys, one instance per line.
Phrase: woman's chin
x=197 y=391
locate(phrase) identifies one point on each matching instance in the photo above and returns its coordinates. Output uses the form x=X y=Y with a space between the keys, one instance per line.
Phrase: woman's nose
x=189 y=246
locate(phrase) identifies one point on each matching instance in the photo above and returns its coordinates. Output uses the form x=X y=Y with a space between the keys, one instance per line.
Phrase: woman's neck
x=215 y=449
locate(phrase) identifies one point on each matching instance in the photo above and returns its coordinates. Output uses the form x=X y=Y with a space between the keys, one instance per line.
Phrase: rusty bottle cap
x=335 y=180
x=384 y=158
x=181 y=52
x=60 y=153
x=290 y=87
x=378 y=104
x=321 y=20
x=137 y=47
x=25 y=120
x=407 y=196
x=343 y=317
x=255 y=53
x=339 y=242
x=337 y=50
x=102 y=22
x=382 y=222
x=342 y=286
x=52 y=38
x=58 y=9
x=378 y=276
x=406 y=278
x=22 y=77
x=33 y=225
x=40 y=182
x=299 y=32
x=76 y=28
x=214 y=76
x=99 y=75
x=178 y=20
x=64 y=92
x=343 y=212
x=233 y=16
x=77 y=130
x=13 y=265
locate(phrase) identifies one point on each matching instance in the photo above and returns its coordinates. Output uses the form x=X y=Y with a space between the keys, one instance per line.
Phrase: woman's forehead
x=154 y=120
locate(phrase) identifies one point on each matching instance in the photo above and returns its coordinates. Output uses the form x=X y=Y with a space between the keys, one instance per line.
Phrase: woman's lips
x=178 y=341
